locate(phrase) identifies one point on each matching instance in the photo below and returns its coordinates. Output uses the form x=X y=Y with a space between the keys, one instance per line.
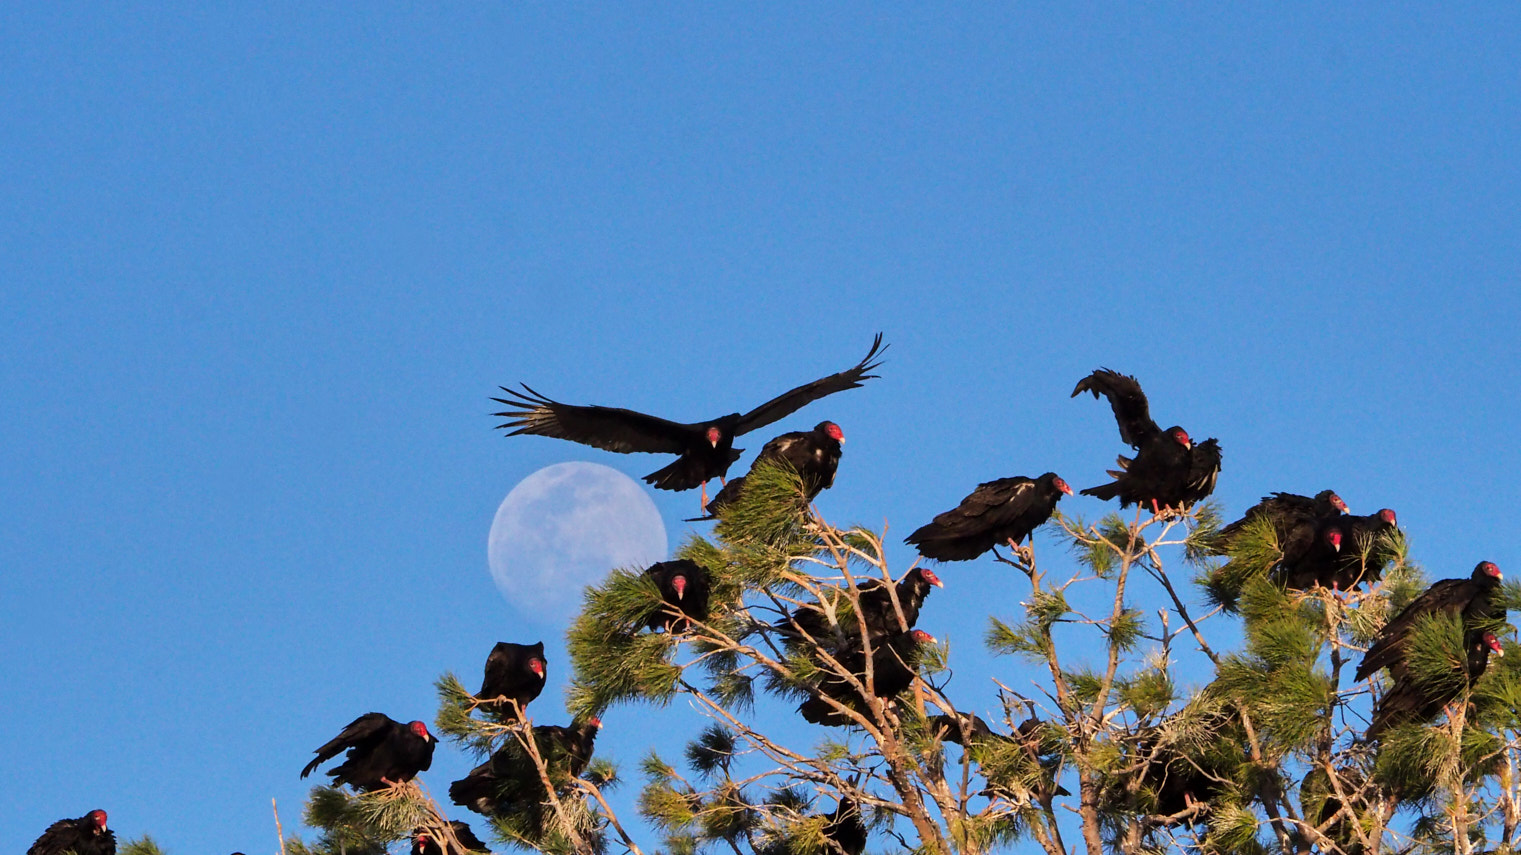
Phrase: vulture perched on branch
x=382 y=752
x=877 y=610
x=1168 y=469
x=894 y=662
x=1408 y=700
x=1294 y=518
x=684 y=587
x=1472 y=599
x=1003 y=511
x=514 y=672
x=86 y=835
x=813 y=454
x=704 y=449
x=510 y=779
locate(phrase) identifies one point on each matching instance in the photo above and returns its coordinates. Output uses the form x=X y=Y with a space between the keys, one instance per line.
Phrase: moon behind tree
x=564 y=527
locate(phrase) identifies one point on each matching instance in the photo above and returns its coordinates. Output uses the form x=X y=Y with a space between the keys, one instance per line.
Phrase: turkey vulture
x=1294 y=519
x=877 y=610
x=894 y=662
x=684 y=587
x=1408 y=700
x=1003 y=511
x=845 y=831
x=86 y=835
x=382 y=752
x=1313 y=563
x=1471 y=598
x=1366 y=551
x=510 y=778
x=423 y=842
x=705 y=448
x=813 y=454
x=514 y=672
x=1168 y=469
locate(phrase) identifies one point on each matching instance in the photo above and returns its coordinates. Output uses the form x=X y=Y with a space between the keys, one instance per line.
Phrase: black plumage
x=877 y=611
x=1029 y=773
x=1003 y=511
x=705 y=449
x=382 y=752
x=845 y=831
x=1472 y=599
x=1294 y=518
x=813 y=454
x=685 y=587
x=895 y=663
x=1410 y=700
x=1313 y=563
x=1366 y=548
x=1168 y=469
x=424 y=842
x=514 y=672
x=509 y=777
x=86 y=835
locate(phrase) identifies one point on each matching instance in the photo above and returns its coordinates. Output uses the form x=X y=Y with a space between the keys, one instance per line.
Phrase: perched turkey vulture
x=845 y=832
x=684 y=586
x=1003 y=511
x=877 y=610
x=813 y=454
x=1294 y=519
x=1408 y=700
x=1313 y=563
x=705 y=448
x=382 y=752
x=1471 y=598
x=510 y=778
x=423 y=842
x=895 y=663
x=1366 y=550
x=86 y=835
x=514 y=672
x=1168 y=469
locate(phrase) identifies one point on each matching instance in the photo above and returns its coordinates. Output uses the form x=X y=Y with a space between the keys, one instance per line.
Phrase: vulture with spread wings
x=705 y=449
x=1168 y=469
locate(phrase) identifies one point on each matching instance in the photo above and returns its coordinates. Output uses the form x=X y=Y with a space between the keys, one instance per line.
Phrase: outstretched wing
x=366 y=729
x=789 y=402
x=1126 y=399
x=607 y=428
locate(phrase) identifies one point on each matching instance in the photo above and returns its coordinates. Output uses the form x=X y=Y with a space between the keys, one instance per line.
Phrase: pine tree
x=1221 y=714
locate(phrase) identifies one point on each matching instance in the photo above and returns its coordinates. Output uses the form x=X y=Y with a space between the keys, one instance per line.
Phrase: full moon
x=564 y=527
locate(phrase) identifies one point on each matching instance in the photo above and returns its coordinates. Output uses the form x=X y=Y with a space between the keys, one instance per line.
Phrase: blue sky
x=261 y=269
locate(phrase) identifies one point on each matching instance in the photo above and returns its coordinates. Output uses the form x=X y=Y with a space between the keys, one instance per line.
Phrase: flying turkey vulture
x=514 y=672
x=382 y=752
x=510 y=778
x=86 y=835
x=1168 y=469
x=1408 y=700
x=877 y=610
x=1366 y=551
x=1471 y=598
x=894 y=662
x=423 y=842
x=1294 y=519
x=705 y=448
x=684 y=586
x=813 y=454
x=1003 y=511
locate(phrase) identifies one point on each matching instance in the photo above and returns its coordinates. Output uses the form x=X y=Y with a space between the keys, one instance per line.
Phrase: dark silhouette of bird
x=86 y=835
x=685 y=587
x=1294 y=519
x=1409 y=700
x=877 y=611
x=424 y=842
x=1472 y=599
x=813 y=454
x=382 y=752
x=514 y=672
x=1313 y=563
x=1168 y=469
x=1321 y=805
x=894 y=663
x=845 y=832
x=1008 y=776
x=509 y=778
x=705 y=449
x=1007 y=510
x=1366 y=548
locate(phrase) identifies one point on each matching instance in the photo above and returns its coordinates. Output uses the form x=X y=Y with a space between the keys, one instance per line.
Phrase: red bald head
x=922 y=637
x=1061 y=485
x=1493 y=644
x=1181 y=437
x=419 y=728
x=595 y=722
x=833 y=430
x=536 y=665
x=929 y=576
x=1333 y=538
x=98 y=818
x=1338 y=504
x=1387 y=515
x=680 y=584
x=1488 y=568
x=714 y=435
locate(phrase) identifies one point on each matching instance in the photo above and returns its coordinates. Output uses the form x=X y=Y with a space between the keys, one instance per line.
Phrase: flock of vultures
x=1318 y=538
